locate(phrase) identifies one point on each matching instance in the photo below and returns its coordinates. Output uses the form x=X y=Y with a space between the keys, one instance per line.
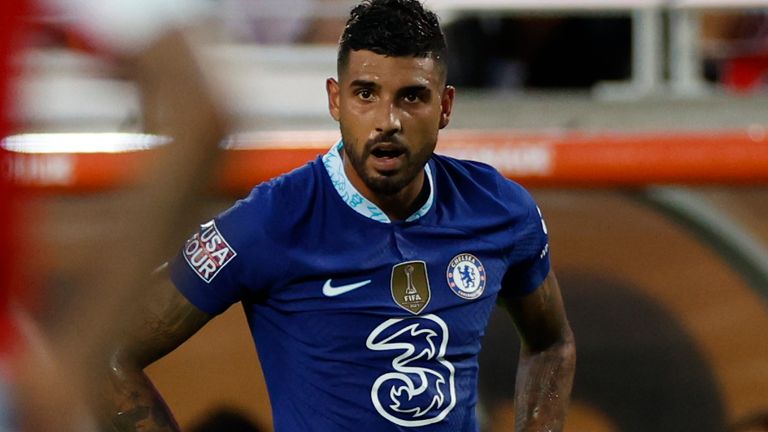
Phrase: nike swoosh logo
x=332 y=291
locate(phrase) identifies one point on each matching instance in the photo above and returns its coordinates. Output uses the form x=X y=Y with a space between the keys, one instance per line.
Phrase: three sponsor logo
x=419 y=388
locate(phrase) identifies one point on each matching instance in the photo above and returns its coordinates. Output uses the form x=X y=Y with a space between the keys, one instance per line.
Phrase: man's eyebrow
x=416 y=88
x=363 y=83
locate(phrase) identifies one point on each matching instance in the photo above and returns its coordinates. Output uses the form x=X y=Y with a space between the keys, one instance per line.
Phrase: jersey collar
x=335 y=168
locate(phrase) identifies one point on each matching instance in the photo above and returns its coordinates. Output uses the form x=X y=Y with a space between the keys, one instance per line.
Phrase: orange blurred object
x=61 y=163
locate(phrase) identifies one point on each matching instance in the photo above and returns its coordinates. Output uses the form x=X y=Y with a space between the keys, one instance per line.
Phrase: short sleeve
x=210 y=269
x=205 y=270
x=528 y=255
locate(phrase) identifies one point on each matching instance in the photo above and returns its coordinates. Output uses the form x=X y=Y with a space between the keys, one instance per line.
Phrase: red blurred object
x=12 y=15
x=746 y=73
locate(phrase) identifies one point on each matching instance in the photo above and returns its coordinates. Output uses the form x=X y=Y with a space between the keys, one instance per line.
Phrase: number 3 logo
x=420 y=388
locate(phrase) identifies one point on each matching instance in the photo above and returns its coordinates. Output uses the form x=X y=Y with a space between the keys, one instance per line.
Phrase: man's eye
x=365 y=94
x=412 y=97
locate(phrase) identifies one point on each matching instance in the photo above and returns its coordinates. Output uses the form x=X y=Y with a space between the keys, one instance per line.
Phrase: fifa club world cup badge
x=410 y=286
x=466 y=276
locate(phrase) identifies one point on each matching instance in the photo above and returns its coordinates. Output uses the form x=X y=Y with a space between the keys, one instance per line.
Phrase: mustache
x=385 y=138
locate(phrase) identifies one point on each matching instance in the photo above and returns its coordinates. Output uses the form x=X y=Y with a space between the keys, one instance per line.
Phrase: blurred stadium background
x=670 y=320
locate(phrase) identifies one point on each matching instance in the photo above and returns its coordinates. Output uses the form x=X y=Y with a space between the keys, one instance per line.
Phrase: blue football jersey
x=362 y=323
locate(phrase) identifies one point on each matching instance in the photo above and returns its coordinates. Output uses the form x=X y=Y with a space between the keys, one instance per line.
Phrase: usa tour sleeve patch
x=207 y=252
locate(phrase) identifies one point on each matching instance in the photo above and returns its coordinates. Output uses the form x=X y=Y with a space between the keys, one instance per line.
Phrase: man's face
x=389 y=110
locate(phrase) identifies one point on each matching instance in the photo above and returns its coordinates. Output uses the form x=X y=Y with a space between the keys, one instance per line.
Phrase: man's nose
x=388 y=120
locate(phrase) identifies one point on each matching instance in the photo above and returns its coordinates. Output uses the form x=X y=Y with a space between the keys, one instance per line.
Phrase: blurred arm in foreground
x=178 y=104
x=94 y=345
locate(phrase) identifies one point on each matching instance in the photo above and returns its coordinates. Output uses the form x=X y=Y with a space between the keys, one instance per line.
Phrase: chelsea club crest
x=466 y=276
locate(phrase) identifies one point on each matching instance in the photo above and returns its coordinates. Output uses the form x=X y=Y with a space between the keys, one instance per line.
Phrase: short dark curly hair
x=395 y=28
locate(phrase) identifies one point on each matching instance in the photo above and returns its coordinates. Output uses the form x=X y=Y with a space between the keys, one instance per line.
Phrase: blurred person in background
x=735 y=49
x=282 y=22
x=538 y=52
x=368 y=275
x=267 y=21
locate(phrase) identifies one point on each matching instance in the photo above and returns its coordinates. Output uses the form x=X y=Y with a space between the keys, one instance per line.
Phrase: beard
x=385 y=184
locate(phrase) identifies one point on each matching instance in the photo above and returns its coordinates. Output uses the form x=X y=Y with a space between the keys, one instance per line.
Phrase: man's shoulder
x=476 y=175
x=464 y=166
x=481 y=186
x=274 y=201
x=298 y=178
x=292 y=187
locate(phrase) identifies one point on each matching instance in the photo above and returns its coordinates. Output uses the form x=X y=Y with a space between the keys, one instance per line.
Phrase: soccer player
x=368 y=275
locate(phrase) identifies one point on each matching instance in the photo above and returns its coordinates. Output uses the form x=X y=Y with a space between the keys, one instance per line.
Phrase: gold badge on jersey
x=410 y=286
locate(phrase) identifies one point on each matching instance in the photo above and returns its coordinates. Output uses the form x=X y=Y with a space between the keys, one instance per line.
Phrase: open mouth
x=388 y=150
x=387 y=157
x=387 y=153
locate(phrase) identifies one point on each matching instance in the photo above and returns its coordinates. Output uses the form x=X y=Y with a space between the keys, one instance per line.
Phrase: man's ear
x=446 y=105
x=334 y=94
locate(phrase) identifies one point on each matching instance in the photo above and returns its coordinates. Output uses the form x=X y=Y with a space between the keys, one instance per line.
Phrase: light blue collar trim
x=334 y=165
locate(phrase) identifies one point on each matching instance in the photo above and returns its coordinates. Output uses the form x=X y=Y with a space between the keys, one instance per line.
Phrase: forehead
x=366 y=65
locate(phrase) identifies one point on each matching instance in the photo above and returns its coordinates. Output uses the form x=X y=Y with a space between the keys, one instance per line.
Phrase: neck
x=398 y=206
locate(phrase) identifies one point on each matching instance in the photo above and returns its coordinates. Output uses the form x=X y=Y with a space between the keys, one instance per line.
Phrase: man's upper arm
x=540 y=316
x=163 y=321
